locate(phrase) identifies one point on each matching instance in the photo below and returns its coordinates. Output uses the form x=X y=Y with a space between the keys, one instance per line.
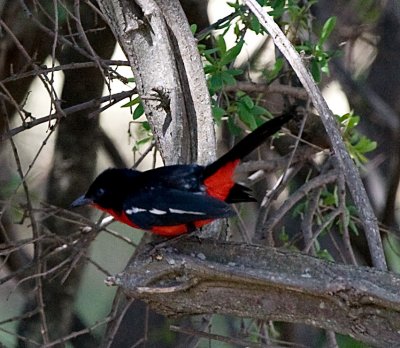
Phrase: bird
x=176 y=199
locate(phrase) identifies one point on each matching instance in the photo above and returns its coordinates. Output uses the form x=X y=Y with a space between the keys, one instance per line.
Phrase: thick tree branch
x=163 y=55
x=208 y=276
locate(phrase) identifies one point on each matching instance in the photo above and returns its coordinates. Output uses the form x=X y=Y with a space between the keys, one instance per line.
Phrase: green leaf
x=315 y=70
x=139 y=111
x=146 y=126
x=240 y=94
x=324 y=66
x=324 y=254
x=356 y=143
x=331 y=198
x=349 y=121
x=283 y=236
x=193 y=28
x=236 y=30
x=306 y=48
x=365 y=145
x=327 y=29
x=278 y=8
x=228 y=79
x=353 y=227
x=231 y=54
x=210 y=69
x=255 y=25
x=234 y=72
x=275 y=71
x=10 y=186
x=247 y=101
x=132 y=102
x=234 y=5
x=246 y=116
x=233 y=128
x=299 y=209
x=215 y=82
x=221 y=44
x=211 y=51
x=218 y=113
x=143 y=141
x=259 y=110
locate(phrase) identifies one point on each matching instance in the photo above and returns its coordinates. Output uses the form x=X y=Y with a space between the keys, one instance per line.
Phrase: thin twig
x=307 y=221
x=37 y=245
x=85 y=40
x=246 y=86
x=329 y=219
x=79 y=107
x=117 y=314
x=71 y=66
x=203 y=33
x=269 y=196
x=20 y=337
x=61 y=39
x=20 y=317
x=47 y=84
x=77 y=333
x=231 y=340
x=265 y=205
x=144 y=154
x=344 y=218
x=314 y=183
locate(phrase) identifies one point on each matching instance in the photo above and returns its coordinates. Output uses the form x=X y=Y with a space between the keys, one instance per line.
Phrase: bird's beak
x=82 y=200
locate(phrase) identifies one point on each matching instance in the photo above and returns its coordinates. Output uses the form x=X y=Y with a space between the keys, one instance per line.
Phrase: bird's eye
x=100 y=192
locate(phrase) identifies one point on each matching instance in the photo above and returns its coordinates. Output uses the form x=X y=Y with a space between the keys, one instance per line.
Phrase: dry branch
x=208 y=276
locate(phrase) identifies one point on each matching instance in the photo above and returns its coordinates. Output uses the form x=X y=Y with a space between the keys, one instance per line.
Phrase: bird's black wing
x=187 y=177
x=161 y=206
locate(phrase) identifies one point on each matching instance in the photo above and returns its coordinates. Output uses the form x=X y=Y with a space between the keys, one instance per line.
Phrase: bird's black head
x=108 y=189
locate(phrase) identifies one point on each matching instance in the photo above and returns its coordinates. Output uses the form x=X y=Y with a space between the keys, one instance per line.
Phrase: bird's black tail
x=248 y=143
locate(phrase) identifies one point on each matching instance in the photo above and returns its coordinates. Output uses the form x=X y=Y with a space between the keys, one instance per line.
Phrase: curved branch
x=346 y=164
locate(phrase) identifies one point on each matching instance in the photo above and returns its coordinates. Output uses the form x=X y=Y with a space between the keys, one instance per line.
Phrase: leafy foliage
x=357 y=144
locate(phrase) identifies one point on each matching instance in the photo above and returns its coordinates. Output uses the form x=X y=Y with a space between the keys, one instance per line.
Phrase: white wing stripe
x=179 y=211
x=134 y=210
x=157 y=211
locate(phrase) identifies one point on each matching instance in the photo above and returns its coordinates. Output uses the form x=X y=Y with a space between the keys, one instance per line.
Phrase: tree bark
x=162 y=52
x=209 y=276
